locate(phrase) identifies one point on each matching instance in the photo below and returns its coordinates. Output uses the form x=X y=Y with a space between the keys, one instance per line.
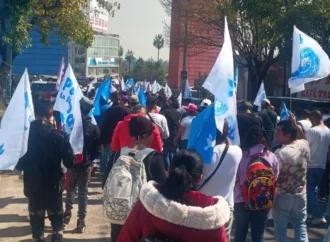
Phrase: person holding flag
x=43 y=176
x=80 y=174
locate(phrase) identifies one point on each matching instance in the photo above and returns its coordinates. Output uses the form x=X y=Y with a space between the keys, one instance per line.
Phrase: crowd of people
x=155 y=189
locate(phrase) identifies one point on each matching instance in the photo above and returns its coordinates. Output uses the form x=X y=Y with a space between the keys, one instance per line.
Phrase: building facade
x=99 y=60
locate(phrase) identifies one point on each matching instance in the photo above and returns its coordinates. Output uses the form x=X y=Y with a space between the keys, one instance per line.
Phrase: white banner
x=260 y=96
x=15 y=125
x=68 y=104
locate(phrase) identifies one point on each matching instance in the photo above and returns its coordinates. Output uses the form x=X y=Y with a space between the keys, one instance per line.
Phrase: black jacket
x=112 y=117
x=47 y=148
x=246 y=120
x=91 y=142
x=269 y=120
x=173 y=121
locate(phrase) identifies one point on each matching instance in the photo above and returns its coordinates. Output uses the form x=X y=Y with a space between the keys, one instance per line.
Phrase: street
x=14 y=226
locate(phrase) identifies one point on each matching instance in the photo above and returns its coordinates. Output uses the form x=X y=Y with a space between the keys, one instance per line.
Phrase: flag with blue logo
x=142 y=97
x=309 y=60
x=102 y=96
x=260 y=96
x=15 y=125
x=129 y=83
x=222 y=84
x=203 y=134
x=285 y=113
x=187 y=91
x=68 y=105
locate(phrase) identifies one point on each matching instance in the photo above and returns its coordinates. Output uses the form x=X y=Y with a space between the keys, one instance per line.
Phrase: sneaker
x=81 y=226
x=316 y=221
x=67 y=217
x=322 y=200
x=57 y=237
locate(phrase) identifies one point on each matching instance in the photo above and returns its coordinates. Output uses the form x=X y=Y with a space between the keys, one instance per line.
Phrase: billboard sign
x=317 y=90
x=99 y=18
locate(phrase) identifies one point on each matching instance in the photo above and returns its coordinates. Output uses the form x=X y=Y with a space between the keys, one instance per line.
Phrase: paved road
x=14 y=226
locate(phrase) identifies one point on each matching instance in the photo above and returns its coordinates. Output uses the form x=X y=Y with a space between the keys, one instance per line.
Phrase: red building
x=200 y=58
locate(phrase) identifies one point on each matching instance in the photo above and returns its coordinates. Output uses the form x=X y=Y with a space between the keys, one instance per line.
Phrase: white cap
x=206 y=103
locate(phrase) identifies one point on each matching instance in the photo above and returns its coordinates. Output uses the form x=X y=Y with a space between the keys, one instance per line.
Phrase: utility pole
x=184 y=73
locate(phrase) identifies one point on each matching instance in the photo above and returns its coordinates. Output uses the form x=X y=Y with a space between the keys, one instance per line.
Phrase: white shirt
x=223 y=181
x=161 y=123
x=319 y=141
x=186 y=122
x=306 y=124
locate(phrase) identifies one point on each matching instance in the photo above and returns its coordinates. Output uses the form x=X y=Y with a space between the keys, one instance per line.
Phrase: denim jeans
x=291 y=208
x=105 y=156
x=314 y=176
x=168 y=153
x=80 y=179
x=244 y=217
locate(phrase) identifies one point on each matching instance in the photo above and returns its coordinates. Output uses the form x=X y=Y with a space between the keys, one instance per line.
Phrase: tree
x=261 y=31
x=159 y=43
x=120 y=54
x=65 y=18
x=129 y=57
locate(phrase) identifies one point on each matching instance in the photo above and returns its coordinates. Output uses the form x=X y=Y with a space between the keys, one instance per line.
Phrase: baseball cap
x=134 y=99
x=191 y=108
x=206 y=103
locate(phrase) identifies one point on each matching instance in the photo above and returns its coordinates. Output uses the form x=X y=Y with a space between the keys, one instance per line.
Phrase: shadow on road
x=4 y=202
x=12 y=218
x=14 y=231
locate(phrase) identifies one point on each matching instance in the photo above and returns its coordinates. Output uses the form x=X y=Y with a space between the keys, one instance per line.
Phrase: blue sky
x=137 y=22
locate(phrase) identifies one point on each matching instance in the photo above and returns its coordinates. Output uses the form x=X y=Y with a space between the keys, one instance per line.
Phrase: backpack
x=123 y=184
x=259 y=186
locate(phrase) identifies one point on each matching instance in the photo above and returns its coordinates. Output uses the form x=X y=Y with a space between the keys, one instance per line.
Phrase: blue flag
x=203 y=135
x=285 y=113
x=102 y=96
x=129 y=83
x=142 y=97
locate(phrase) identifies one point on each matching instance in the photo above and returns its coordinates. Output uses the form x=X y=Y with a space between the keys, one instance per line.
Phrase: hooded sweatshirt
x=156 y=216
x=122 y=139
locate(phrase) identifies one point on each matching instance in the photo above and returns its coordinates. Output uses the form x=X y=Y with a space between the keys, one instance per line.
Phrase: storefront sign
x=317 y=90
x=97 y=61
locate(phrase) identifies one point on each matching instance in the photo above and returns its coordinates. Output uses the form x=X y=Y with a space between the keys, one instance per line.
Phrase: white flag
x=122 y=83
x=91 y=84
x=155 y=87
x=295 y=89
x=260 y=96
x=187 y=91
x=113 y=89
x=309 y=60
x=168 y=92
x=68 y=104
x=180 y=101
x=222 y=84
x=15 y=125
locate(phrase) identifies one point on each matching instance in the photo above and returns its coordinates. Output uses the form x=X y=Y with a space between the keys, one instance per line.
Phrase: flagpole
x=290 y=102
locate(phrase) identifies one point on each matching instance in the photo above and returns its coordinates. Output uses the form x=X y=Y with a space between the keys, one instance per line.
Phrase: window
x=92 y=71
x=79 y=60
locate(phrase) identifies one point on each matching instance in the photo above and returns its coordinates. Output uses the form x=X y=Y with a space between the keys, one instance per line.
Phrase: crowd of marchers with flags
x=173 y=170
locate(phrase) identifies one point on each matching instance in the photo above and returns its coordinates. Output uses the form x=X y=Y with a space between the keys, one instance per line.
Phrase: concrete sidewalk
x=14 y=226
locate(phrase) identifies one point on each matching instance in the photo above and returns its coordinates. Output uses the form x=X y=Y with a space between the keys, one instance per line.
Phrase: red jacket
x=121 y=138
x=156 y=216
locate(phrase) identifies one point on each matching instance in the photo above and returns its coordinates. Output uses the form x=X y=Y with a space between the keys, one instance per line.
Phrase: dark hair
x=317 y=115
x=42 y=107
x=185 y=170
x=243 y=106
x=254 y=136
x=138 y=108
x=305 y=113
x=175 y=104
x=114 y=97
x=151 y=102
x=288 y=128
